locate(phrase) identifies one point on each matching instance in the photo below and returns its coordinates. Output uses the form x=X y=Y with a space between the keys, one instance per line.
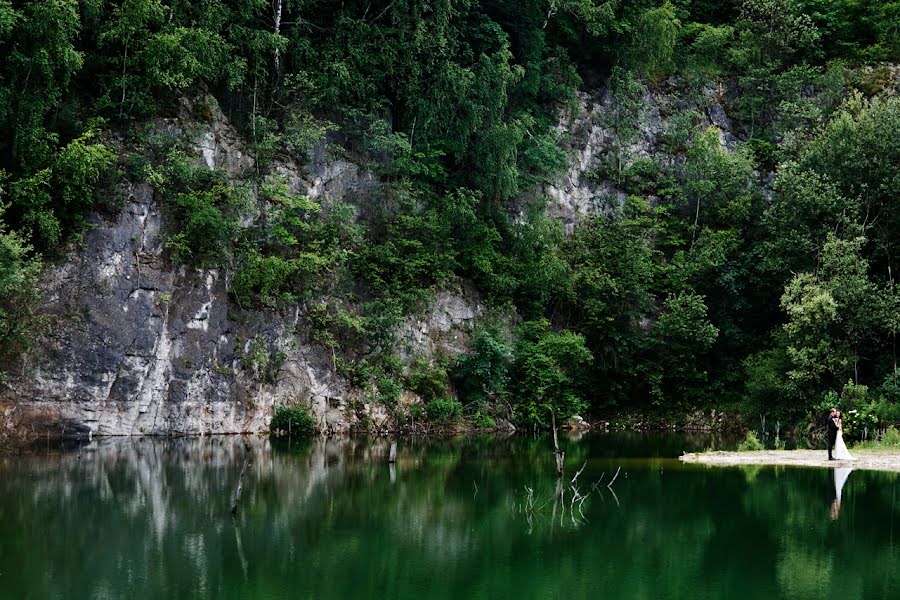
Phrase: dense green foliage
x=292 y=420
x=750 y=443
x=18 y=293
x=712 y=283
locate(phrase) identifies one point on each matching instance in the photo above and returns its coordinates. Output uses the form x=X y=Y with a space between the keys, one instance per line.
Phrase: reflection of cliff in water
x=144 y=493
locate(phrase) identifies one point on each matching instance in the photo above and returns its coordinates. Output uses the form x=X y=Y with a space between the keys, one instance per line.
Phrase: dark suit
x=832 y=433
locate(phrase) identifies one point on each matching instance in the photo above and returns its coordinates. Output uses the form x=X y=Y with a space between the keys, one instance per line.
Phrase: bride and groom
x=837 y=449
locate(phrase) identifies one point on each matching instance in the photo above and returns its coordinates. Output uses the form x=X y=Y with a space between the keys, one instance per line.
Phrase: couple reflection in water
x=840 y=478
x=837 y=450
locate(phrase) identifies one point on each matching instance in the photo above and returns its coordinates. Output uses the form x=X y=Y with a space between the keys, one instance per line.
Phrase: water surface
x=146 y=518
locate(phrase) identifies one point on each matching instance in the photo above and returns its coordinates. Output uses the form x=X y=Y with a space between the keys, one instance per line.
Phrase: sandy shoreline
x=874 y=460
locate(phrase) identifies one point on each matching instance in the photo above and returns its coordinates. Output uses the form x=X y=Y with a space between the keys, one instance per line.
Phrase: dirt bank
x=873 y=460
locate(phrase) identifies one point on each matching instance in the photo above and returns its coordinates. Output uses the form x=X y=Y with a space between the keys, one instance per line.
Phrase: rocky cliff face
x=138 y=345
x=592 y=134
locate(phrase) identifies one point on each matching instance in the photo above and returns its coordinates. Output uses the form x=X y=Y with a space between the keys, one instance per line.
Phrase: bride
x=840 y=448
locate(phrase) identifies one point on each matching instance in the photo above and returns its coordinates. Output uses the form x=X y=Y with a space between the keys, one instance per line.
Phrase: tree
x=130 y=18
x=40 y=61
x=482 y=375
x=654 y=39
x=772 y=36
x=855 y=153
x=806 y=208
x=612 y=266
x=79 y=167
x=546 y=373
x=833 y=313
x=19 y=295
x=718 y=182
x=679 y=339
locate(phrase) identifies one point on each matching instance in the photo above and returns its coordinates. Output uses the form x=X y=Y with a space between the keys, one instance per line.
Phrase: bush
x=19 y=295
x=751 y=443
x=482 y=421
x=865 y=412
x=207 y=226
x=293 y=420
x=270 y=280
x=443 y=410
x=891 y=437
x=427 y=380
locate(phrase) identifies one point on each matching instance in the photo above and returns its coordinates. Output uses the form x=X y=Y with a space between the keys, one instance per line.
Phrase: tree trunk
x=277 y=32
x=124 y=65
x=560 y=456
x=240 y=487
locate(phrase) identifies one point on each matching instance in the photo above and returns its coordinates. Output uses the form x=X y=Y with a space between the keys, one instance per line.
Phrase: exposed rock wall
x=138 y=345
x=590 y=137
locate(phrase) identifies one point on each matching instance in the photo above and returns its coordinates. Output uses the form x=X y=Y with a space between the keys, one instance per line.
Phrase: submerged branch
x=240 y=487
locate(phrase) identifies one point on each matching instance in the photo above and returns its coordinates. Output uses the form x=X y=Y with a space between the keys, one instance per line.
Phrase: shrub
x=891 y=437
x=19 y=295
x=266 y=279
x=443 y=410
x=427 y=380
x=482 y=421
x=482 y=375
x=207 y=226
x=264 y=364
x=293 y=420
x=751 y=443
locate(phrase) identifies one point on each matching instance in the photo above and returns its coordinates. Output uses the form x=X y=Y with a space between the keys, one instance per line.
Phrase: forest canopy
x=756 y=271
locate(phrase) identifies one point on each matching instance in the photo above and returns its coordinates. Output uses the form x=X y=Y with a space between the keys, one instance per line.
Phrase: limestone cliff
x=139 y=345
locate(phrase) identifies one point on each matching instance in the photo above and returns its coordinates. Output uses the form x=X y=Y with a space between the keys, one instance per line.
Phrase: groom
x=832 y=430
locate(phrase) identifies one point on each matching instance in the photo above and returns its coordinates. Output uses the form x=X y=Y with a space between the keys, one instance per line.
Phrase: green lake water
x=142 y=518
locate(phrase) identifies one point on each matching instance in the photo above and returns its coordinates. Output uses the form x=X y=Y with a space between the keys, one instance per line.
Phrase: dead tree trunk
x=240 y=487
x=560 y=456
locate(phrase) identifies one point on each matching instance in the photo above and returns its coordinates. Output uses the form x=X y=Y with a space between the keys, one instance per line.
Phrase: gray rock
x=139 y=345
x=443 y=329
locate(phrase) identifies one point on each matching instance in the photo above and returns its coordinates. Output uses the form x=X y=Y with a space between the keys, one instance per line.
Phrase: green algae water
x=471 y=518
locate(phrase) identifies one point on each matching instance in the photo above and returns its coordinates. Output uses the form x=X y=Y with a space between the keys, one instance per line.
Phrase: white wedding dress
x=840 y=448
x=840 y=478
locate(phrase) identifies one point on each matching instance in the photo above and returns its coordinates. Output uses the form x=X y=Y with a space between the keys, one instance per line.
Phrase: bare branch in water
x=609 y=485
x=579 y=472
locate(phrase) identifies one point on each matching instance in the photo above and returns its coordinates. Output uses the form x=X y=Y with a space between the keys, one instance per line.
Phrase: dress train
x=840 y=448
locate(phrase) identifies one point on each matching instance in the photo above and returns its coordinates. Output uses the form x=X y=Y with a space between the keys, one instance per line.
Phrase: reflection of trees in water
x=326 y=519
